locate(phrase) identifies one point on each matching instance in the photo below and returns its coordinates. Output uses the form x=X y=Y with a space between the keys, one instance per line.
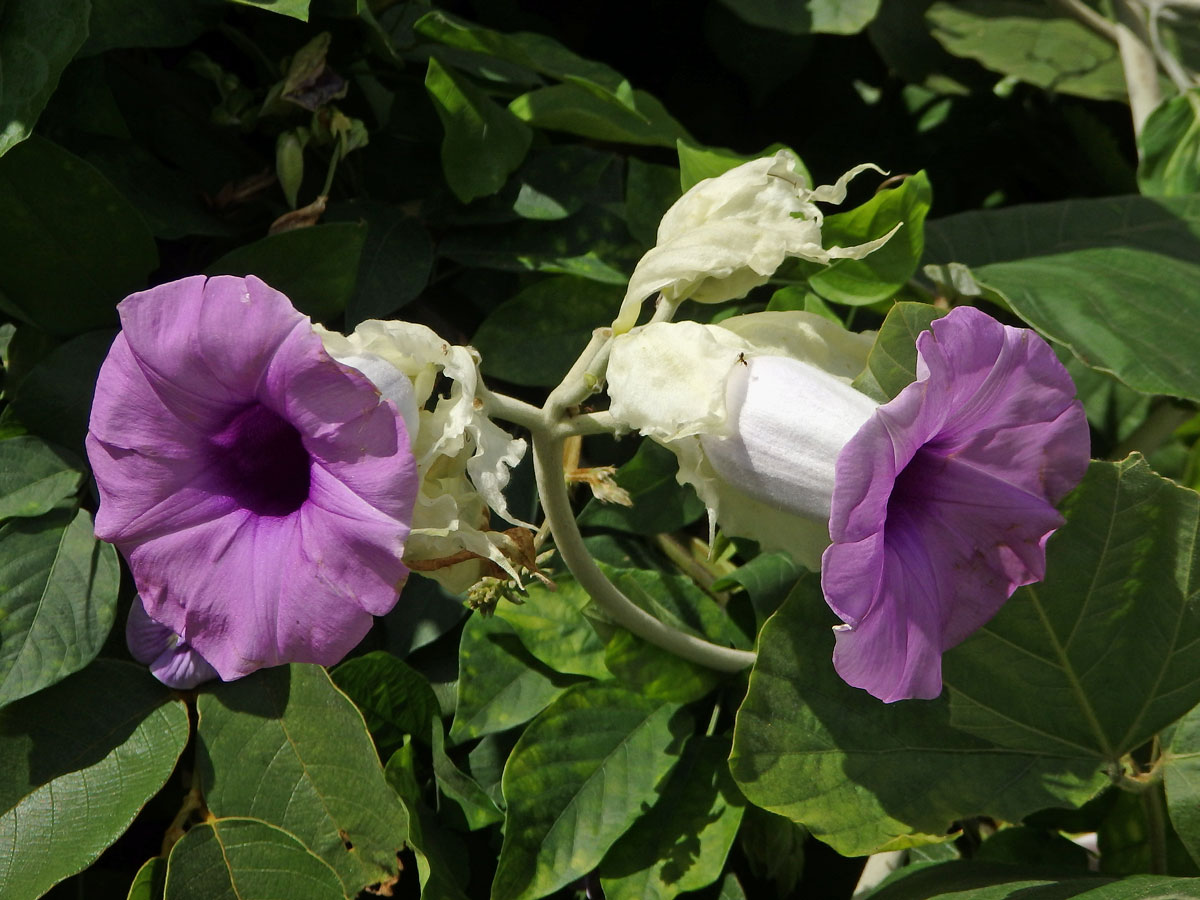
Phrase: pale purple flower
x=260 y=491
x=171 y=660
x=944 y=499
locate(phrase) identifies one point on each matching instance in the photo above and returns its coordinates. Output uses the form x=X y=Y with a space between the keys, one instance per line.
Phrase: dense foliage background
x=494 y=170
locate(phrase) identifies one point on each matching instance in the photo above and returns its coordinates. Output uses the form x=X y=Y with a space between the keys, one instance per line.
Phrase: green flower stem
x=552 y=488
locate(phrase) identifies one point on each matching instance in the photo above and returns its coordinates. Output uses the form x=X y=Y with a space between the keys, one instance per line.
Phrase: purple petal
x=171 y=661
x=945 y=499
x=260 y=490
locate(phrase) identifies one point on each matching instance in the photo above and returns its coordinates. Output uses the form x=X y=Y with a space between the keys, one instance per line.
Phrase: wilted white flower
x=730 y=233
x=463 y=458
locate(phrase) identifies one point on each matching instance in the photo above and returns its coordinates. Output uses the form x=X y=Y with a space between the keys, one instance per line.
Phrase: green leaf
x=476 y=805
x=285 y=746
x=71 y=246
x=77 y=763
x=681 y=843
x=484 y=142
x=997 y=881
x=37 y=40
x=149 y=881
x=428 y=612
x=574 y=108
x=699 y=163
x=1169 y=163
x=676 y=600
x=500 y=684
x=892 y=361
x=58 y=597
x=556 y=182
x=577 y=779
x=768 y=579
x=394 y=698
x=660 y=503
x=317 y=267
x=137 y=23
x=1181 y=778
x=1129 y=843
x=1078 y=271
x=55 y=399
x=883 y=272
x=442 y=862
x=1125 y=555
x=807 y=16
x=537 y=52
x=862 y=775
x=397 y=258
x=247 y=859
x=532 y=338
x=296 y=9
x=650 y=189
x=552 y=626
x=1067 y=55
x=35 y=476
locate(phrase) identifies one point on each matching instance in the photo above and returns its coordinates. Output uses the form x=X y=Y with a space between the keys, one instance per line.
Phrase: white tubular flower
x=463 y=457
x=697 y=389
x=730 y=233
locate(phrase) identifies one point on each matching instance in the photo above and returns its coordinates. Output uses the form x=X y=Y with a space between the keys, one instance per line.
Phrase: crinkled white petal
x=729 y=234
x=463 y=458
x=804 y=336
x=667 y=379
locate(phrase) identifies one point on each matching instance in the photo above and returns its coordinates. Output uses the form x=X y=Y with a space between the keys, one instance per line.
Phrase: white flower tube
x=725 y=399
x=463 y=458
x=730 y=233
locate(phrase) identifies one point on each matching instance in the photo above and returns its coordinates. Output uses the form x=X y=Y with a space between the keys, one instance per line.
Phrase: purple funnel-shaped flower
x=944 y=500
x=260 y=491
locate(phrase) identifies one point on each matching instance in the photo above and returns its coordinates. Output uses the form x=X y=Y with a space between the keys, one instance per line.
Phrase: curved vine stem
x=552 y=488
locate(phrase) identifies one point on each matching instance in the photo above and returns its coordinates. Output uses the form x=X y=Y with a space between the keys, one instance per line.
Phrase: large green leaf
x=884 y=271
x=500 y=683
x=71 y=246
x=247 y=859
x=533 y=338
x=1181 y=778
x=892 y=360
x=37 y=40
x=484 y=142
x=285 y=746
x=1080 y=271
x=577 y=779
x=639 y=118
x=681 y=843
x=77 y=763
x=149 y=880
x=1032 y=41
x=537 y=52
x=397 y=258
x=660 y=503
x=55 y=399
x=316 y=267
x=1170 y=148
x=394 y=698
x=58 y=597
x=157 y=23
x=34 y=476
x=862 y=775
x=552 y=626
x=1061 y=670
x=807 y=16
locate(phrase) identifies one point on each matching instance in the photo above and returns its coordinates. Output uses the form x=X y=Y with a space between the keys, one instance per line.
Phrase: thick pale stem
x=552 y=489
x=1138 y=61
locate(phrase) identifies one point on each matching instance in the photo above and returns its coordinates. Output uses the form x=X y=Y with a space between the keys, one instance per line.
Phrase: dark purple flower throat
x=261 y=462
